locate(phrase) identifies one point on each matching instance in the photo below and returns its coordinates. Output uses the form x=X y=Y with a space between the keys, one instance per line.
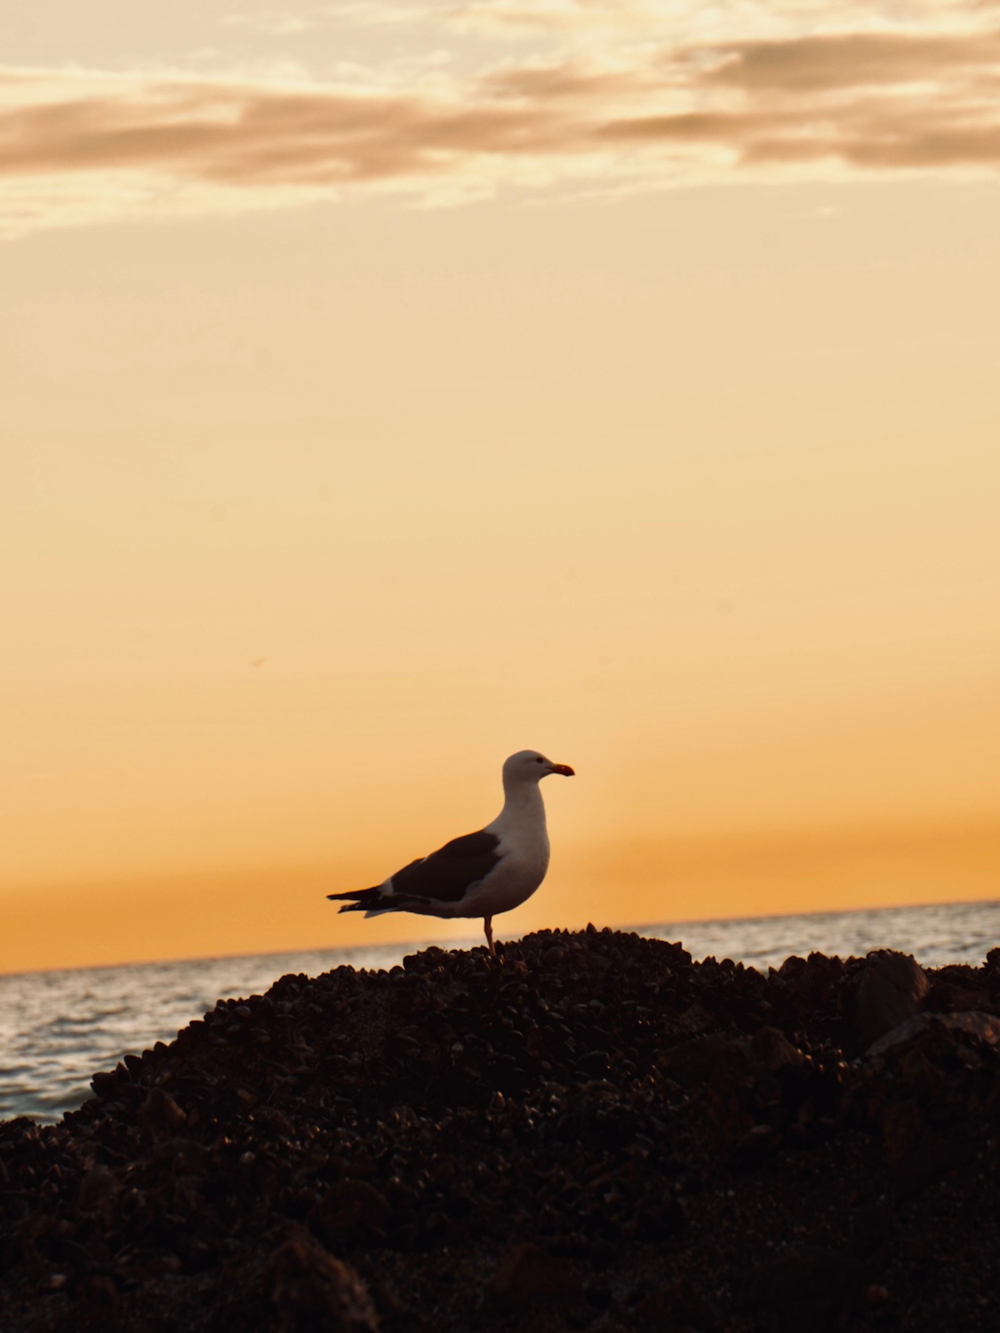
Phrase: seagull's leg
x=488 y=927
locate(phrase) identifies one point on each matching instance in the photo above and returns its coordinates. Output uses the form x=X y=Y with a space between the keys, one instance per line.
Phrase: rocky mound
x=592 y=1133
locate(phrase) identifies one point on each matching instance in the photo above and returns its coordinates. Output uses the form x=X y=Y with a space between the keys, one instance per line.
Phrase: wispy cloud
x=348 y=14
x=273 y=25
x=79 y=145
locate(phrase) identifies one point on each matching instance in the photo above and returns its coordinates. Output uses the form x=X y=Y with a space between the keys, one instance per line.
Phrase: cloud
x=246 y=136
x=548 y=15
x=273 y=25
x=825 y=63
x=346 y=14
x=77 y=145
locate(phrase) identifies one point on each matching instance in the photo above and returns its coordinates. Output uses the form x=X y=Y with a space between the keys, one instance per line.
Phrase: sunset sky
x=388 y=387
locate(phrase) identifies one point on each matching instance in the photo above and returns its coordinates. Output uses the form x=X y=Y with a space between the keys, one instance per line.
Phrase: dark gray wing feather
x=447 y=874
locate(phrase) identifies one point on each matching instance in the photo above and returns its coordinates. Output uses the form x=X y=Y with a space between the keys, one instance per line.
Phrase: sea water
x=58 y=1028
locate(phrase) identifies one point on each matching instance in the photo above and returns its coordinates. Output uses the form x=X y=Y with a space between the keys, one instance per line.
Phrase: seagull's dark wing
x=447 y=874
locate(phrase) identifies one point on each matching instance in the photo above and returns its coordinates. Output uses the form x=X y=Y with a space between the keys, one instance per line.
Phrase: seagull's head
x=530 y=766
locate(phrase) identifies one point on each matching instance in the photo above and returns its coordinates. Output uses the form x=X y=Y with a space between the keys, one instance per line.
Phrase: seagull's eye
x=539 y=761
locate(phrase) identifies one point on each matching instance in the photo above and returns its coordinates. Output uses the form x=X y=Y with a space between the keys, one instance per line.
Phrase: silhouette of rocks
x=593 y=1132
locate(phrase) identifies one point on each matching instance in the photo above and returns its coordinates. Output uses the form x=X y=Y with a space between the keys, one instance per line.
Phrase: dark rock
x=902 y=1125
x=309 y=1290
x=694 y=1062
x=891 y=989
x=97 y=1186
x=984 y=1026
x=773 y=1050
x=526 y=1277
x=677 y=1306
x=809 y=1290
x=348 y=1211
x=159 y=1112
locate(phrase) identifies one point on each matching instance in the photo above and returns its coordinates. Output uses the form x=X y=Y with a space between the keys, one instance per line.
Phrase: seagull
x=479 y=874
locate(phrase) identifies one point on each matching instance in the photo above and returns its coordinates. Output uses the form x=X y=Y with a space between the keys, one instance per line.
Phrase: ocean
x=58 y=1028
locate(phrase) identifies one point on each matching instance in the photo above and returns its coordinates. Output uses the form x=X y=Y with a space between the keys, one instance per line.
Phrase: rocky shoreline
x=592 y=1132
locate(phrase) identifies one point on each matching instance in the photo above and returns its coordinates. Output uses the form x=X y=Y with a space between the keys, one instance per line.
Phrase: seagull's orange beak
x=564 y=769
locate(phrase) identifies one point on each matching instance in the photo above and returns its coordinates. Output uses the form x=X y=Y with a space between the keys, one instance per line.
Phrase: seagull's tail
x=373 y=902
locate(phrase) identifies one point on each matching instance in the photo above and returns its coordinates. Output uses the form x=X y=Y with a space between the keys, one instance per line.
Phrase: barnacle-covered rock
x=592 y=1132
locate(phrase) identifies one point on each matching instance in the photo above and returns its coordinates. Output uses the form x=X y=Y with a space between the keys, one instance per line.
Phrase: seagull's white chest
x=521 y=870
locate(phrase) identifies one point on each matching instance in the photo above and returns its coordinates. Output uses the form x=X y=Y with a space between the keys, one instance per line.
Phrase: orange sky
x=386 y=392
